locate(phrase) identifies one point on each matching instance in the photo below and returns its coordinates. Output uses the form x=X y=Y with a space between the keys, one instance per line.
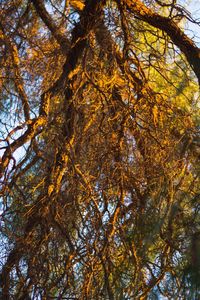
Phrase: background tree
x=100 y=150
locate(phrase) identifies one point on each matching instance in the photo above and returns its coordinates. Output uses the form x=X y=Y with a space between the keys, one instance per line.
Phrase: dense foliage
x=100 y=150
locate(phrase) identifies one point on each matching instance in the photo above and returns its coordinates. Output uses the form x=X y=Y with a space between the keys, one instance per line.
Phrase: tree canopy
x=99 y=132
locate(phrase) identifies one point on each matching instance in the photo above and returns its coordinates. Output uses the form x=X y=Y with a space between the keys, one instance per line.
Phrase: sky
x=193 y=7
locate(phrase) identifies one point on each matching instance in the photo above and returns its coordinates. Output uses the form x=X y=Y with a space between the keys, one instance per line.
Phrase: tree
x=100 y=150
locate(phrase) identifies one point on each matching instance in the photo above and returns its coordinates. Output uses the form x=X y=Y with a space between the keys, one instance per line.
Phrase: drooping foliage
x=100 y=150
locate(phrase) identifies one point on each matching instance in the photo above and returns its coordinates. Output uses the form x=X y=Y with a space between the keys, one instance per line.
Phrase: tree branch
x=48 y=21
x=179 y=38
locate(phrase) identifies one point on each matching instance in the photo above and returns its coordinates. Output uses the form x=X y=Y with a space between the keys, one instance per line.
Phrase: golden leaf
x=155 y=114
x=77 y=4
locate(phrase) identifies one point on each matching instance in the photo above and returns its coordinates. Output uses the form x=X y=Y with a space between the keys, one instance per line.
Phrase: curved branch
x=179 y=38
